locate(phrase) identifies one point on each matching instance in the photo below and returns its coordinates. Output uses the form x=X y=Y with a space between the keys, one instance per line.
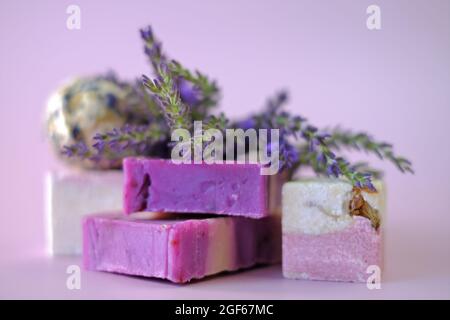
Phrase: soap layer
x=162 y=186
x=71 y=195
x=178 y=249
x=321 y=239
x=338 y=256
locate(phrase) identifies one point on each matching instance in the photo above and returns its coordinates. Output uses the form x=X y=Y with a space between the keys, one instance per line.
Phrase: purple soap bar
x=179 y=249
x=162 y=186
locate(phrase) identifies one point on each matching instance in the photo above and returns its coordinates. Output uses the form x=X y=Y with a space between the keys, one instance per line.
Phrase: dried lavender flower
x=77 y=150
x=362 y=141
x=153 y=48
x=206 y=91
x=195 y=88
x=130 y=140
x=304 y=144
x=164 y=88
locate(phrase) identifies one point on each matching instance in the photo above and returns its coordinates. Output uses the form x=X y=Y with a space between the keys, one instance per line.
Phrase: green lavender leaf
x=361 y=141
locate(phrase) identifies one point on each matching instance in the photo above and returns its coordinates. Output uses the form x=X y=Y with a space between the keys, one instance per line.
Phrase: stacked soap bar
x=163 y=186
x=179 y=249
x=71 y=195
x=331 y=232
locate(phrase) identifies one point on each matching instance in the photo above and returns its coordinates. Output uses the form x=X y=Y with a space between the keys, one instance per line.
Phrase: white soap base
x=71 y=195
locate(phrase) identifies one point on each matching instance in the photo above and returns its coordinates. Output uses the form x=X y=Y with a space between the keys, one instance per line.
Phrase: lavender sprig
x=363 y=141
x=153 y=48
x=149 y=102
x=130 y=140
x=219 y=122
x=164 y=88
x=273 y=117
x=196 y=89
x=317 y=152
x=77 y=150
x=326 y=160
x=208 y=89
x=364 y=167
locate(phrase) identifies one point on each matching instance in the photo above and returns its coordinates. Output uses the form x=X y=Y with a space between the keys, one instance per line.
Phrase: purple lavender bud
x=82 y=149
x=282 y=97
x=99 y=136
x=320 y=158
x=113 y=133
x=114 y=145
x=99 y=145
x=141 y=147
x=146 y=80
x=146 y=33
x=271 y=146
x=153 y=51
x=127 y=129
x=189 y=93
x=79 y=149
x=246 y=124
x=174 y=87
x=323 y=136
x=386 y=145
x=333 y=170
x=163 y=68
x=298 y=119
x=370 y=186
x=157 y=83
x=313 y=144
x=111 y=76
x=67 y=151
x=292 y=155
x=149 y=51
x=284 y=114
x=124 y=146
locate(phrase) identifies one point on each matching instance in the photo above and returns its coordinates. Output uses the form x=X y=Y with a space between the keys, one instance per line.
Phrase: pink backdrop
x=393 y=83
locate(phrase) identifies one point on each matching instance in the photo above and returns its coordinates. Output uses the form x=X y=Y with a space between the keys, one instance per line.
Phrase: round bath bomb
x=84 y=107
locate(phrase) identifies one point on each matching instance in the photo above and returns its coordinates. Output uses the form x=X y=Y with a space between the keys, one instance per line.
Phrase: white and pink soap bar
x=322 y=240
x=71 y=195
x=179 y=249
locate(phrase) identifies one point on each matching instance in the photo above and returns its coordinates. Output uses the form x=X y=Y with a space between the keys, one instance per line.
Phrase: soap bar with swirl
x=331 y=231
x=229 y=189
x=179 y=247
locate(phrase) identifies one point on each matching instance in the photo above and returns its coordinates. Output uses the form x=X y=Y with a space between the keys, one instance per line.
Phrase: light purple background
x=393 y=83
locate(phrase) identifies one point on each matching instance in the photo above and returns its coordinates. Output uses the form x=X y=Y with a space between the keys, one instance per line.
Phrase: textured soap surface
x=322 y=240
x=179 y=249
x=162 y=186
x=73 y=194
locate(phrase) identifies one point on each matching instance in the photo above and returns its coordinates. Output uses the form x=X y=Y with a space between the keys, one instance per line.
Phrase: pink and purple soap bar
x=162 y=186
x=179 y=249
